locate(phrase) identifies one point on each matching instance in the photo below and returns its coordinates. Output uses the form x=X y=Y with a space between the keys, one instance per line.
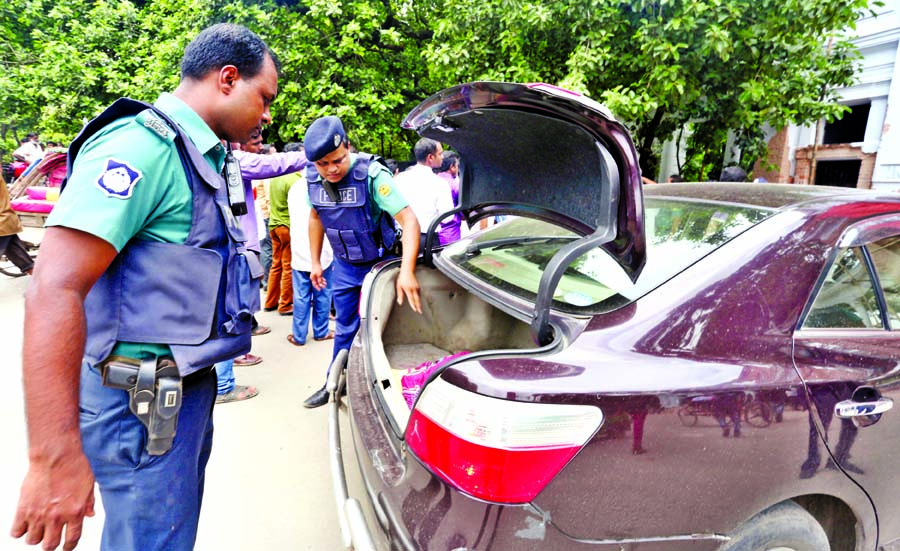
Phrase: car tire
x=782 y=527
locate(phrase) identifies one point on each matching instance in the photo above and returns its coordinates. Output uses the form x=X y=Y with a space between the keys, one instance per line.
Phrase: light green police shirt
x=382 y=188
x=128 y=183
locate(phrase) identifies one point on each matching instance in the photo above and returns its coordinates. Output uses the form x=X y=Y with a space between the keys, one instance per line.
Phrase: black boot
x=319 y=398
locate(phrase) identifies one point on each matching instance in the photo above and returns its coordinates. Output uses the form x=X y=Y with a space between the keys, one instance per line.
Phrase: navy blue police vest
x=197 y=297
x=349 y=227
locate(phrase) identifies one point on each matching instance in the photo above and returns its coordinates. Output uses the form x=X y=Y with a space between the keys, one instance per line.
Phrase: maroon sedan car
x=678 y=367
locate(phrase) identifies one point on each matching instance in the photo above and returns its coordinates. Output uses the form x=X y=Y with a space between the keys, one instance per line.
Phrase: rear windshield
x=512 y=255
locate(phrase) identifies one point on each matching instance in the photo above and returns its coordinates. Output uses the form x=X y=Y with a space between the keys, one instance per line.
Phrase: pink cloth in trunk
x=415 y=377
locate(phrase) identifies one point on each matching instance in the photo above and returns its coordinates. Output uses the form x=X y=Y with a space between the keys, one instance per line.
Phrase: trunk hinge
x=541 y=330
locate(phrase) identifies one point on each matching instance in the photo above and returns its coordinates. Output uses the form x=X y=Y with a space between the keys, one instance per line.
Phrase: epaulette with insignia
x=159 y=127
x=378 y=166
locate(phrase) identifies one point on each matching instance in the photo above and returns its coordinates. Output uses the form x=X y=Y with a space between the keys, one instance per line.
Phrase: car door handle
x=849 y=409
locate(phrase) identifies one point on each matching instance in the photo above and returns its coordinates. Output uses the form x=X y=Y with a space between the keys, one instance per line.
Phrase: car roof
x=771 y=196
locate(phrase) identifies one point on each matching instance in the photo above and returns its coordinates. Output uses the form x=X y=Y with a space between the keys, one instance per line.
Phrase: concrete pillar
x=874 y=125
x=732 y=152
x=668 y=162
x=886 y=175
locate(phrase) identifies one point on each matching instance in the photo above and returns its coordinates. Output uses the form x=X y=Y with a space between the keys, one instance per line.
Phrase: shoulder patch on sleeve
x=385 y=189
x=118 y=179
x=151 y=121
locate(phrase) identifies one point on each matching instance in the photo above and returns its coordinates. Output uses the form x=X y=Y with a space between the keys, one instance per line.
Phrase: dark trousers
x=152 y=503
x=346 y=285
x=265 y=248
x=14 y=249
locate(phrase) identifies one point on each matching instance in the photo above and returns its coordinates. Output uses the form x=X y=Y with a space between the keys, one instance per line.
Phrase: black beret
x=323 y=136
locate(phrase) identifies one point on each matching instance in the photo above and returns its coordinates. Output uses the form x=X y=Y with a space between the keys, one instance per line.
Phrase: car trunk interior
x=453 y=320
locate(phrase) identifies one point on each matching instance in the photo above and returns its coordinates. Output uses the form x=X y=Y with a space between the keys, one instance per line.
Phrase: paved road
x=268 y=481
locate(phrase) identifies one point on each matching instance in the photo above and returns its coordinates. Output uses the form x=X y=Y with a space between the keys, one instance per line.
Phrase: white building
x=863 y=148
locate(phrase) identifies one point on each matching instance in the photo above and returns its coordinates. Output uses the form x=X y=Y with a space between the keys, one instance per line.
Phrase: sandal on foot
x=238 y=393
x=327 y=337
x=247 y=359
x=294 y=341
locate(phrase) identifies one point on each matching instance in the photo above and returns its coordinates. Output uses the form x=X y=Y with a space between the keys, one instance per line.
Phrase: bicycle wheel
x=688 y=416
x=757 y=414
x=9 y=269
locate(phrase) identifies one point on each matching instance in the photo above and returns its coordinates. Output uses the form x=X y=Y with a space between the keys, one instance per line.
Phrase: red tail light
x=496 y=450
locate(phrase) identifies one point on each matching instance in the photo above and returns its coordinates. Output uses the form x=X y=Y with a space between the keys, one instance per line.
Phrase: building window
x=849 y=129
x=838 y=173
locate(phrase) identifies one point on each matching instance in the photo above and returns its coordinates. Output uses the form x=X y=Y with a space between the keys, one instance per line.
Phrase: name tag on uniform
x=347 y=195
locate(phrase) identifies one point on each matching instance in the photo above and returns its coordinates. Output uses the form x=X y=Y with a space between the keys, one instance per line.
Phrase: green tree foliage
x=659 y=65
x=16 y=52
x=64 y=61
x=65 y=75
x=83 y=54
x=708 y=65
x=358 y=59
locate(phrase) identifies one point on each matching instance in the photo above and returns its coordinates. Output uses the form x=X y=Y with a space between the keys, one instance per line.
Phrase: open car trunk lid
x=540 y=151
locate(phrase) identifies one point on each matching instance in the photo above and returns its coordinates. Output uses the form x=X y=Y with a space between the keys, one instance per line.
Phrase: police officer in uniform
x=143 y=283
x=352 y=198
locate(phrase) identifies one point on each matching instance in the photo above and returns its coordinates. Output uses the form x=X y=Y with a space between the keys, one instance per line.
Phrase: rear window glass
x=512 y=255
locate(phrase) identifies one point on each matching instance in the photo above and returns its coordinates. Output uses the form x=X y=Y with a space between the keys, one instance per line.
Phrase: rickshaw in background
x=9 y=269
x=13 y=170
x=34 y=193
x=757 y=410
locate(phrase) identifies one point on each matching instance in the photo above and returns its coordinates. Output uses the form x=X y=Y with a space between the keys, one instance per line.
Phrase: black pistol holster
x=154 y=389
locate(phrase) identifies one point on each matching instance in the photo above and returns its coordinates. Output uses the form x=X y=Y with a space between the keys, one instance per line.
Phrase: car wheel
x=782 y=527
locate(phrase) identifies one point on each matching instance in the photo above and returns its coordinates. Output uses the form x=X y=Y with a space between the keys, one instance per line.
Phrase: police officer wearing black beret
x=354 y=204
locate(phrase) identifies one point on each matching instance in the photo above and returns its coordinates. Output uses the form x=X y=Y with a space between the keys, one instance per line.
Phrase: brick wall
x=779 y=155
x=838 y=152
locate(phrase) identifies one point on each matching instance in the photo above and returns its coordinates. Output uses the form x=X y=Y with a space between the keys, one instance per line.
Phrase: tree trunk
x=649 y=164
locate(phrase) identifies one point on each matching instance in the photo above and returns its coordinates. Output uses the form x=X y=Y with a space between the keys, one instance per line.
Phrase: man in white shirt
x=30 y=150
x=305 y=294
x=427 y=193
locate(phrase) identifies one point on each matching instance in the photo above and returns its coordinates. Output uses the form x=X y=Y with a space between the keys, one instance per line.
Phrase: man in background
x=30 y=149
x=279 y=292
x=306 y=297
x=10 y=226
x=429 y=195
